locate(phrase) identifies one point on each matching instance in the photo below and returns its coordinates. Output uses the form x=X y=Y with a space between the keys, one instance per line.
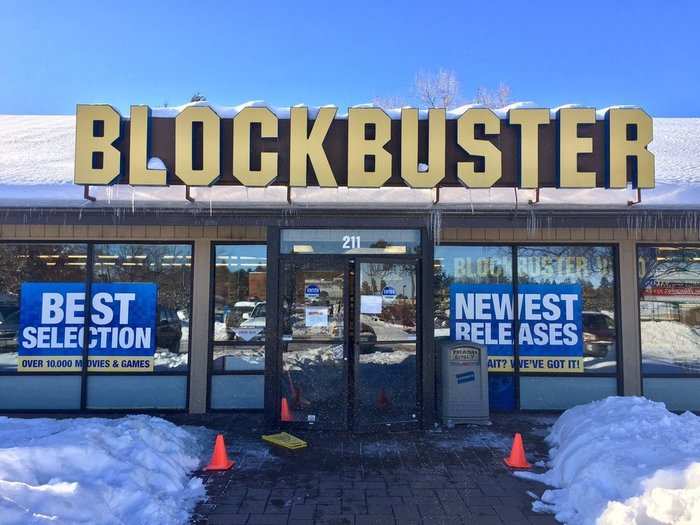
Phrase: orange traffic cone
x=517 y=457
x=286 y=412
x=383 y=401
x=219 y=459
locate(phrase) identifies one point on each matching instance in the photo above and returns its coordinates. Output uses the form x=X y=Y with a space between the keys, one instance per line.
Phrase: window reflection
x=240 y=289
x=31 y=262
x=169 y=266
x=669 y=309
x=591 y=267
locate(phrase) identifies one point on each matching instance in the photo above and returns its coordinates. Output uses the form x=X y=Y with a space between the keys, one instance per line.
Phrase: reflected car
x=254 y=319
x=598 y=334
x=169 y=330
x=368 y=338
x=9 y=326
x=240 y=313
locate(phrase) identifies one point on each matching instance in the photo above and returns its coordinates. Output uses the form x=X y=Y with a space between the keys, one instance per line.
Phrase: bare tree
x=496 y=98
x=437 y=90
x=197 y=97
x=389 y=102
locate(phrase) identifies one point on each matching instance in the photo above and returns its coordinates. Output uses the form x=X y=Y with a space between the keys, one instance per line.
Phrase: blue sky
x=54 y=54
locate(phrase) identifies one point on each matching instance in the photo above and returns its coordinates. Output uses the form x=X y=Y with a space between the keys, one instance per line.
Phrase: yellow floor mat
x=285 y=440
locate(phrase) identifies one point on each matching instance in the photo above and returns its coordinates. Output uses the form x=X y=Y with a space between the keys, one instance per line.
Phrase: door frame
x=351 y=265
x=276 y=376
x=414 y=261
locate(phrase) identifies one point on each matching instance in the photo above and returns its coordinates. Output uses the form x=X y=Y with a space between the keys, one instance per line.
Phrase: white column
x=199 y=326
x=629 y=319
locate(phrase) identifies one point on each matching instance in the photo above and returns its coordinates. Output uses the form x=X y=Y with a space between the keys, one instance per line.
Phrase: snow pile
x=132 y=470
x=623 y=460
x=671 y=342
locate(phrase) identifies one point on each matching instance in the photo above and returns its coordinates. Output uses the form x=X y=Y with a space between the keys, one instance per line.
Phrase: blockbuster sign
x=550 y=334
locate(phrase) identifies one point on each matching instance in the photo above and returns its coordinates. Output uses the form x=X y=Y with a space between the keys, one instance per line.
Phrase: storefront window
x=560 y=369
x=565 y=311
x=669 y=311
x=239 y=315
x=25 y=268
x=148 y=333
x=586 y=272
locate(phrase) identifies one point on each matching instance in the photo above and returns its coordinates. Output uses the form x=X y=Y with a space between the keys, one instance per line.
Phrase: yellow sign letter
x=139 y=172
x=529 y=121
x=571 y=145
x=241 y=147
x=97 y=161
x=479 y=147
x=435 y=172
x=629 y=133
x=303 y=145
x=360 y=147
x=211 y=146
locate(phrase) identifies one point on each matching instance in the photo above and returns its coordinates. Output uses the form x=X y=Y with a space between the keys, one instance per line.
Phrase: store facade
x=334 y=316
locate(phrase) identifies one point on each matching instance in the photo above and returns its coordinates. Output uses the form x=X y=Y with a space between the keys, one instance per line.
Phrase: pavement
x=434 y=477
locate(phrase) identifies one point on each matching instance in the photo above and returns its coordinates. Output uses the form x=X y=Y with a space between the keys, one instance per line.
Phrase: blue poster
x=550 y=334
x=122 y=331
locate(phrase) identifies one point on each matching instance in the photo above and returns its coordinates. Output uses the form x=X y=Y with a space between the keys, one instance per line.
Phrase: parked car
x=598 y=334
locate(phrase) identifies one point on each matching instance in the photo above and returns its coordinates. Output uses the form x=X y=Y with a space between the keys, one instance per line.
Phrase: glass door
x=314 y=373
x=385 y=353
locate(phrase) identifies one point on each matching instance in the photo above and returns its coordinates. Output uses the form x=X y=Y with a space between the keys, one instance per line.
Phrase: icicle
x=133 y=200
x=435 y=224
x=531 y=225
x=471 y=200
x=211 y=210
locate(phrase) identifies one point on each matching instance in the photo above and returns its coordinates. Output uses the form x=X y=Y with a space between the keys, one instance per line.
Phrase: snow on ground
x=134 y=470
x=170 y=360
x=623 y=460
x=670 y=343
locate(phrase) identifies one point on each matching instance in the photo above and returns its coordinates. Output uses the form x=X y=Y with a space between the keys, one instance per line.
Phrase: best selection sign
x=298 y=147
x=122 y=332
x=550 y=335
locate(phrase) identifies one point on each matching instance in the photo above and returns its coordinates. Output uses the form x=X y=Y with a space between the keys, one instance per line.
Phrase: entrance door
x=385 y=359
x=348 y=342
x=314 y=342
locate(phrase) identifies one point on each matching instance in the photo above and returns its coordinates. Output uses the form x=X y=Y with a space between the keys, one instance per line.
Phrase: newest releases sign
x=122 y=331
x=297 y=147
x=550 y=335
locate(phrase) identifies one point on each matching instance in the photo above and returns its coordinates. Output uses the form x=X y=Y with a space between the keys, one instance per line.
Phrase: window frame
x=89 y=273
x=514 y=246
x=663 y=375
x=47 y=373
x=211 y=343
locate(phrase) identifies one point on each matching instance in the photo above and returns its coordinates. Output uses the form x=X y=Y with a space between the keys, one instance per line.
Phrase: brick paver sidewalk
x=451 y=476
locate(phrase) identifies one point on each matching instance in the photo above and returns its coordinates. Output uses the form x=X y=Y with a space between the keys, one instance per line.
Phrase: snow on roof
x=394 y=113
x=37 y=155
